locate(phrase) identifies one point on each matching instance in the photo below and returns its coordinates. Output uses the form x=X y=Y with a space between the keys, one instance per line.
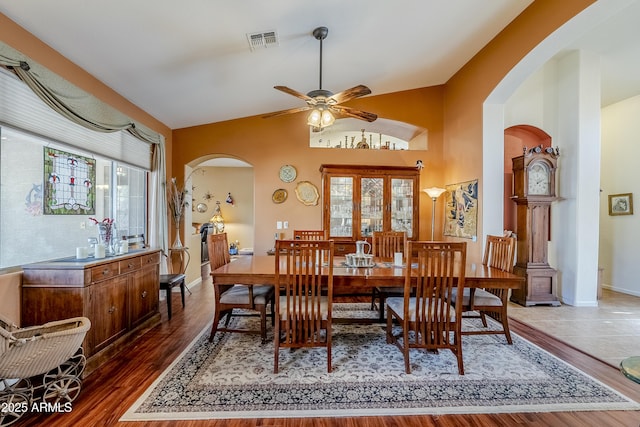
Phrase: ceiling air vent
x=263 y=39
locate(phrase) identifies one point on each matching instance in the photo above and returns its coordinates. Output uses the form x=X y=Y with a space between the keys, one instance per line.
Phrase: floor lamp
x=434 y=193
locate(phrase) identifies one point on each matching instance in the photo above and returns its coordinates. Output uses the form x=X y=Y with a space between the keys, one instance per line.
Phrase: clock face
x=539 y=179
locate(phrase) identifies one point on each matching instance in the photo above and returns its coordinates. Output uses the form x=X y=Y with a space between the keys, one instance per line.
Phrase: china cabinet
x=361 y=199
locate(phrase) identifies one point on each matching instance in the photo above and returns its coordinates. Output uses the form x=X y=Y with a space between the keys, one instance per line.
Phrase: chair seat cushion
x=324 y=307
x=397 y=305
x=481 y=298
x=239 y=294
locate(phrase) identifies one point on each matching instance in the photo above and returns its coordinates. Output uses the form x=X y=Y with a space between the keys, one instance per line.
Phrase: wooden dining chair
x=303 y=310
x=309 y=235
x=384 y=245
x=239 y=296
x=428 y=320
x=499 y=253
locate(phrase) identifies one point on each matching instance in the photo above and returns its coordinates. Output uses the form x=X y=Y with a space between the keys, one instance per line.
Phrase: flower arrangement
x=105 y=230
x=177 y=199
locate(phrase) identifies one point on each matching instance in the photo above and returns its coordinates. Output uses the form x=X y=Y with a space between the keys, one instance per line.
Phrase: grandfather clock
x=534 y=179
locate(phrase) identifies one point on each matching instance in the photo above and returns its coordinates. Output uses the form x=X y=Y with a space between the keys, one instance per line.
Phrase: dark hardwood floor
x=109 y=391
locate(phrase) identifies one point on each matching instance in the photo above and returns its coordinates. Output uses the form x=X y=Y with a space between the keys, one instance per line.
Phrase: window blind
x=22 y=109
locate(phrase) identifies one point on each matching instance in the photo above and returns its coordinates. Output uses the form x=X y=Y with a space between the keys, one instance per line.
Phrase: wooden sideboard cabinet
x=361 y=199
x=120 y=295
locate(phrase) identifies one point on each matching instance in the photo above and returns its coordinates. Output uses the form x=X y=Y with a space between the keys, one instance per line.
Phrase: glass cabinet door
x=341 y=202
x=371 y=206
x=402 y=205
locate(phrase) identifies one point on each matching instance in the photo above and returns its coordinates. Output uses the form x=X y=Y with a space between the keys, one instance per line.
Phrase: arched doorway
x=224 y=182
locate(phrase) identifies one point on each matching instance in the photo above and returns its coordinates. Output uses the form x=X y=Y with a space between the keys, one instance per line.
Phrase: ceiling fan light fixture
x=327 y=118
x=322 y=103
x=314 y=118
x=320 y=117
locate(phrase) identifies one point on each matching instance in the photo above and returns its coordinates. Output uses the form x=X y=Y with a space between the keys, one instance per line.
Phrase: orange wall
x=268 y=144
x=467 y=90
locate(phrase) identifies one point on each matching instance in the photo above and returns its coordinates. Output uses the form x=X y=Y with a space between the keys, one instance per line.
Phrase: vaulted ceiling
x=190 y=62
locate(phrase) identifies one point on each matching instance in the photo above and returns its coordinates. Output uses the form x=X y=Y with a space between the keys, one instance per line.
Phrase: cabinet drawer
x=104 y=271
x=130 y=264
x=150 y=259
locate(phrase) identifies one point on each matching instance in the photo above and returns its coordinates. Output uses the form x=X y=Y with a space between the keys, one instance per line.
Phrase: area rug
x=233 y=378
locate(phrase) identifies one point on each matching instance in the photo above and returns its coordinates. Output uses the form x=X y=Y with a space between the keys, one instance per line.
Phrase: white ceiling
x=189 y=62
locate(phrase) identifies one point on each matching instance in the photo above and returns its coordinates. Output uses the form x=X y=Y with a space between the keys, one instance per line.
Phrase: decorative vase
x=106 y=233
x=177 y=243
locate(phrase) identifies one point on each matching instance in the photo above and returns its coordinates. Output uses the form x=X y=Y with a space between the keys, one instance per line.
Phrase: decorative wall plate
x=288 y=173
x=279 y=196
x=307 y=193
x=202 y=207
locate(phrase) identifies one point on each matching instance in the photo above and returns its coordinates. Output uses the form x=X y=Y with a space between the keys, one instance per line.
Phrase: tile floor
x=610 y=332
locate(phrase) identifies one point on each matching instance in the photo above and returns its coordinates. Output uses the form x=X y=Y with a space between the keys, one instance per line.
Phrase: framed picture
x=621 y=204
x=69 y=183
x=461 y=209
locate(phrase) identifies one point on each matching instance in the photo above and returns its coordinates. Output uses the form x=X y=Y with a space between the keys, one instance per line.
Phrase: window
x=26 y=234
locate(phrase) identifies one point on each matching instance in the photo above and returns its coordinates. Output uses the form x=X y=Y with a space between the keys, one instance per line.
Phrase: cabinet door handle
x=131 y=265
x=106 y=271
x=144 y=294
x=112 y=309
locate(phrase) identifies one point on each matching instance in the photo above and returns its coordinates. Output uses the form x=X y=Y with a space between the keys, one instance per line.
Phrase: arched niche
x=516 y=140
x=380 y=134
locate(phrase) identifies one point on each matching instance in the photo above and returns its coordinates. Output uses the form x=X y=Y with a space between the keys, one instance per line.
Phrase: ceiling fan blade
x=352 y=93
x=352 y=112
x=293 y=92
x=289 y=111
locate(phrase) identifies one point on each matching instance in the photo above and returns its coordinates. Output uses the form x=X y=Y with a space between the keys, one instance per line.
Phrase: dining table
x=260 y=269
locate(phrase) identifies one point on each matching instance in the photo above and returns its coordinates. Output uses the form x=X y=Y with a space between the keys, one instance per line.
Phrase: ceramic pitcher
x=360 y=247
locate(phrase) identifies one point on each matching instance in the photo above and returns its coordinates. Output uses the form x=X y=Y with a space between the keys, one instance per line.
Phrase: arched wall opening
x=516 y=140
x=228 y=181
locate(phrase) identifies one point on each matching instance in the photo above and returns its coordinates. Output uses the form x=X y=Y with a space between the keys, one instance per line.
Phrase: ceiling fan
x=324 y=105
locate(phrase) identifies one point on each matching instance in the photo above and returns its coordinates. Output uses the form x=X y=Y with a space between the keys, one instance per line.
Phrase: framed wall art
x=621 y=204
x=69 y=183
x=461 y=209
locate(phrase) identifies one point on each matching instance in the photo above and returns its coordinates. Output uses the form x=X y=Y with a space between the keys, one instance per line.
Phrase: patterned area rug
x=233 y=378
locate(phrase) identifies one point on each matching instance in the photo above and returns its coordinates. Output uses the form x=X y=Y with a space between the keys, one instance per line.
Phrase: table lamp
x=217 y=220
x=434 y=193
